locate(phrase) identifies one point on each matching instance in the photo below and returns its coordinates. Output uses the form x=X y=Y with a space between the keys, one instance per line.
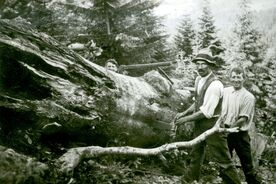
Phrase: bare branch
x=73 y=156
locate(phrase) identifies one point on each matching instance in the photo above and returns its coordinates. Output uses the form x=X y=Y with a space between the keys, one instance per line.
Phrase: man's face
x=203 y=68
x=237 y=80
x=111 y=66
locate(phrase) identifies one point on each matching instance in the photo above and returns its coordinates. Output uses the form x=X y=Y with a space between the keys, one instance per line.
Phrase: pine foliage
x=247 y=39
x=184 y=39
x=128 y=32
x=207 y=30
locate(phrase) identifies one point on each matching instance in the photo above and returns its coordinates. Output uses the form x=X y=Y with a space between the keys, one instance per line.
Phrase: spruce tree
x=247 y=46
x=184 y=39
x=134 y=34
x=207 y=30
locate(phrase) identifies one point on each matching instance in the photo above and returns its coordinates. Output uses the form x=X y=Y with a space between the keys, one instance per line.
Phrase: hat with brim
x=205 y=55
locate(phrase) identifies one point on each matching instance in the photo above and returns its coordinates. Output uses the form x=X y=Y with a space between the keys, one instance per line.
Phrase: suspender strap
x=199 y=97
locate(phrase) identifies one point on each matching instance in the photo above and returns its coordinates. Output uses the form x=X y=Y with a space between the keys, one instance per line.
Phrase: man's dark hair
x=112 y=61
x=238 y=70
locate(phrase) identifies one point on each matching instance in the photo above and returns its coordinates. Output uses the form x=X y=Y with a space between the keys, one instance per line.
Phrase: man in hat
x=205 y=111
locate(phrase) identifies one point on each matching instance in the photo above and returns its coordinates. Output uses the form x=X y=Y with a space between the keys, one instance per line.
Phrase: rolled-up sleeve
x=211 y=99
x=247 y=107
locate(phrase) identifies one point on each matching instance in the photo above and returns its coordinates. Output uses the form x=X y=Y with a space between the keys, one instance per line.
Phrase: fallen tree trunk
x=73 y=156
x=52 y=94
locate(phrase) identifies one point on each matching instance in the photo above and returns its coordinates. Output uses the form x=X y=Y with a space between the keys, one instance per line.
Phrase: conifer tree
x=207 y=30
x=247 y=38
x=184 y=39
x=134 y=34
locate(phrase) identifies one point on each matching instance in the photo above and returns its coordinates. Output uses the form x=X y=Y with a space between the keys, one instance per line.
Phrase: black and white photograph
x=137 y=91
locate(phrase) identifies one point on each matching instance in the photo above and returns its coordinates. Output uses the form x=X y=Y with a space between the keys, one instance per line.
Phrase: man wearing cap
x=205 y=111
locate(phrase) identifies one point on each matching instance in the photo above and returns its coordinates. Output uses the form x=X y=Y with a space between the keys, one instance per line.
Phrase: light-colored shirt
x=236 y=104
x=212 y=96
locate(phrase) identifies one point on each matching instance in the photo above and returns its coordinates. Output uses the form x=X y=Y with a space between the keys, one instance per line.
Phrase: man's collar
x=237 y=90
x=207 y=76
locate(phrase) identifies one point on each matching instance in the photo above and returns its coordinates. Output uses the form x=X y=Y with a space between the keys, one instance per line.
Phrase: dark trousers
x=240 y=142
x=219 y=151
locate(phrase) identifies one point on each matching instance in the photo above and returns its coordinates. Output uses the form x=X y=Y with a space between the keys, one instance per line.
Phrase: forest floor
x=153 y=171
